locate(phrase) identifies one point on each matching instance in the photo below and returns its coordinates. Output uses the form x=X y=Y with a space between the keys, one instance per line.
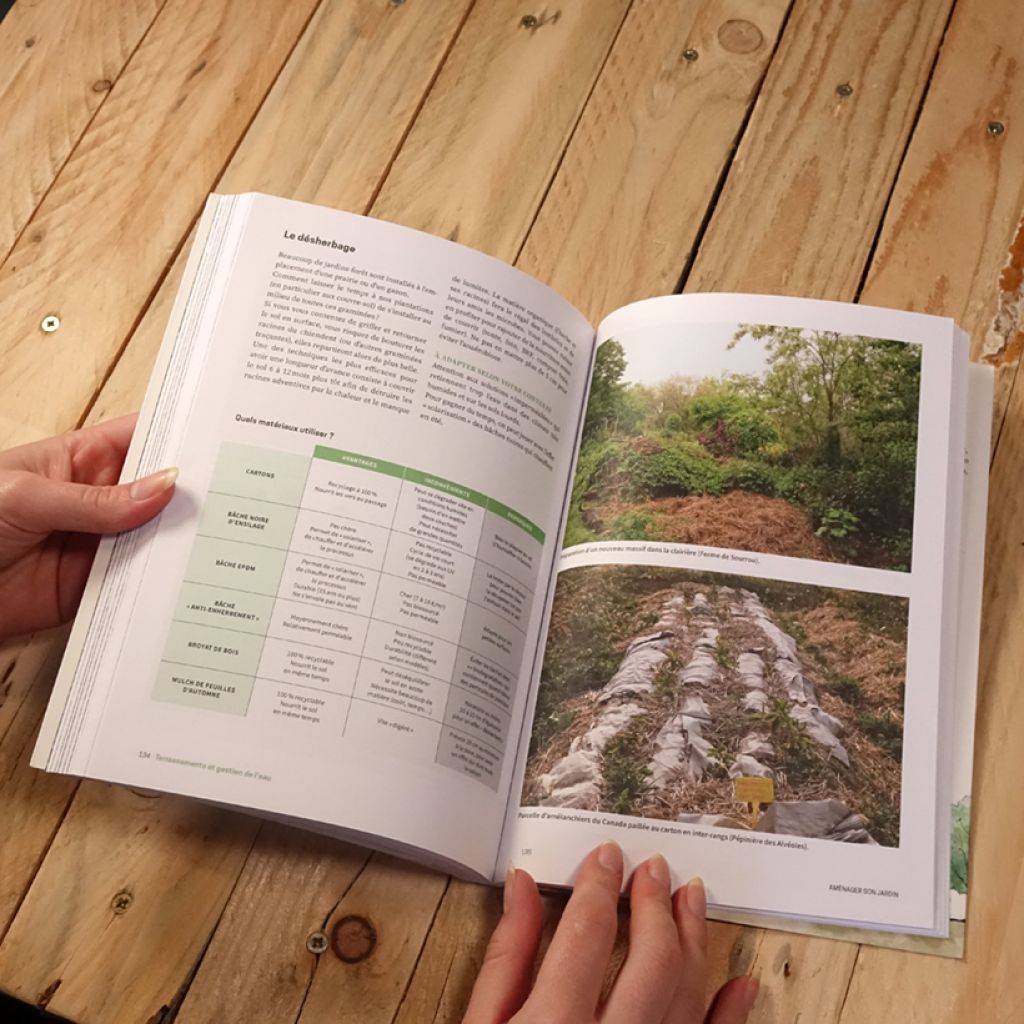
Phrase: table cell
x=330 y=584
x=399 y=688
x=489 y=635
x=210 y=647
x=477 y=717
x=440 y=517
x=421 y=652
x=234 y=565
x=299 y=623
x=418 y=607
x=352 y=492
x=229 y=609
x=247 y=520
x=512 y=550
x=483 y=677
x=469 y=756
x=260 y=473
x=284 y=661
x=202 y=688
x=299 y=721
x=428 y=562
x=344 y=540
x=387 y=732
x=501 y=594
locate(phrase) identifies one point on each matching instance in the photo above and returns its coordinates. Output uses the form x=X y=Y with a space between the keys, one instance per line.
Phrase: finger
x=570 y=979
x=38 y=505
x=647 y=983
x=689 y=906
x=504 y=980
x=734 y=1002
x=111 y=437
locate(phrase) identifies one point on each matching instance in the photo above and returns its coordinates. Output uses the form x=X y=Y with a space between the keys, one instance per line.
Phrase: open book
x=452 y=574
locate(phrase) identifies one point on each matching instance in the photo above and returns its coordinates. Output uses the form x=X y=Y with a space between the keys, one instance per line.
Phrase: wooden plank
x=33 y=802
x=952 y=246
x=93 y=892
x=332 y=89
x=99 y=241
x=58 y=62
x=953 y=239
x=483 y=151
x=632 y=192
x=393 y=904
x=315 y=872
x=813 y=159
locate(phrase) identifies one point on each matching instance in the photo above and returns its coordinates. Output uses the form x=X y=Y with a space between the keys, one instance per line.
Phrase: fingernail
x=150 y=486
x=751 y=989
x=506 y=899
x=657 y=868
x=696 y=897
x=609 y=856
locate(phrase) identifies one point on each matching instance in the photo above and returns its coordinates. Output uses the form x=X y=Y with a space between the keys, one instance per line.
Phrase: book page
x=749 y=663
x=336 y=618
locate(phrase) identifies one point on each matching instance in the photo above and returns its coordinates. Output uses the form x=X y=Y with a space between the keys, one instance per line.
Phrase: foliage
x=961 y=840
x=606 y=388
x=633 y=525
x=885 y=732
x=626 y=775
x=794 y=749
x=847 y=689
x=724 y=656
x=830 y=427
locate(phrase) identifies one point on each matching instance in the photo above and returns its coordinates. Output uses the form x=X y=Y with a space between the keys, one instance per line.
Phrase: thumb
x=40 y=505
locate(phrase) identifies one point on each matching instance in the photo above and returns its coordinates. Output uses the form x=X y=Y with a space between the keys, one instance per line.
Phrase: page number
x=526 y=851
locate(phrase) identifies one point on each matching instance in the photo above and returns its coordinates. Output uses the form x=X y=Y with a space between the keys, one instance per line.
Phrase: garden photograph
x=764 y=438
x=662 y=688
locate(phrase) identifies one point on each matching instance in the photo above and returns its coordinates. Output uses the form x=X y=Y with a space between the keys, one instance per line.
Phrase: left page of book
x=336 y=618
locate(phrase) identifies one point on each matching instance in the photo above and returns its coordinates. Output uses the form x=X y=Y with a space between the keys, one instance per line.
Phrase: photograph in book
x=779 y=440
x=662 y=686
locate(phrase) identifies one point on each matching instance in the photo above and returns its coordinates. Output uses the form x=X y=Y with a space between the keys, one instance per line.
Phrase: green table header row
x=437 y=483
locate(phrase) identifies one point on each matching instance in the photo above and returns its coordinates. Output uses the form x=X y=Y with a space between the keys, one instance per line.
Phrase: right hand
x=661 y=982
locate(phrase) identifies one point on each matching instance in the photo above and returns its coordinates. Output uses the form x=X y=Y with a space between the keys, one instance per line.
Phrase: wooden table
x=614 y=148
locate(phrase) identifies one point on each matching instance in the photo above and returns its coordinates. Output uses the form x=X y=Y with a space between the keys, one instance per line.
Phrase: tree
x=809 y=382
x=606 y=388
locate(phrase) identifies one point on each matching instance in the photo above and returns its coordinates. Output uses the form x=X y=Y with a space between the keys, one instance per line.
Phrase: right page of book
x=749 y=663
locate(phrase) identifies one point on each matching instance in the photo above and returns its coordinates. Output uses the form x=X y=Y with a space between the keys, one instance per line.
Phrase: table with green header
x=339 y=598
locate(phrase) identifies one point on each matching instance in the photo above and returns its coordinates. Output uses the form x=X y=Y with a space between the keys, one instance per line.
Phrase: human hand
x=661 y=982
x=53 y=495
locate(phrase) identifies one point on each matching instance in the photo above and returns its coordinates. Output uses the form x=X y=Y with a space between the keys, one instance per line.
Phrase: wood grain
x=110 y=950
x=953 y=238
x=630 y=197
x=61 y=61
x=483 y=151
x=812 y=159
x=95 y=248
x=315 y=873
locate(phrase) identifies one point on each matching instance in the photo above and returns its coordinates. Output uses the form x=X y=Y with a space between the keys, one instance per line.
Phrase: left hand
x=54 y=494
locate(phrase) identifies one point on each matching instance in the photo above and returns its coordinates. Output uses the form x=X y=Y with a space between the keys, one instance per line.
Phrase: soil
x=737 y=519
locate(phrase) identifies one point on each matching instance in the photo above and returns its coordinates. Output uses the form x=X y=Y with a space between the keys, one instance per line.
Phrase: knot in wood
x=103 y=85
x=740 y=36
x=353 y=939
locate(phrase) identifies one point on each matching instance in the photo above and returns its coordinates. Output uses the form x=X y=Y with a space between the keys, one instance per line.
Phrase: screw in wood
x=844 y=89
x=121 y=902
x=317 y=942
x=690 y=55
x=49 y=323
x=529 y=21
x=996 y=128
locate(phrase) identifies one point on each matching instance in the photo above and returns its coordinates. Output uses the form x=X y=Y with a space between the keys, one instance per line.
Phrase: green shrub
x=748 y=475
x=847 y=689
x=626 y=775
x=633 y=525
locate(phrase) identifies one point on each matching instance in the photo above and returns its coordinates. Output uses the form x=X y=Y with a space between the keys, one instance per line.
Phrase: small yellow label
x=749 y=790
x=753 y=791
